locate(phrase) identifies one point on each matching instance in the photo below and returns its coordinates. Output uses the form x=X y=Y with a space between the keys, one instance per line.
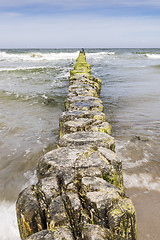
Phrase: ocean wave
x=99 y=54
x=37 y=56
x=13 y=69
x=142 y=180
x=53 y=100
x=142 y=54
x=8 y=221
x=9 y=96
x=44 y=98
x=153 y=56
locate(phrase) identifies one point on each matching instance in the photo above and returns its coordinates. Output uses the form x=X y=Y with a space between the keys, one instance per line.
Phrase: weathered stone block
x=84 y=161
x=57 y=213
x=50 y=202
x=75 y=99
x=77 y=125
x=73 y=115
x=99 y=126
x=93 y=139
x=29 y=215
x=63 y=233
x=85 y=106
x=78 y=74
x=84 y=124
x=122 y=219
x=108 y=207
x=43 y=235
x=96 y=232
x=85 y=81
x=58 y=162
x=58 y=233
x=78 y=86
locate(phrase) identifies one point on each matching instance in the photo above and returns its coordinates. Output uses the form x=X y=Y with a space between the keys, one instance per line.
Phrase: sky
x=81 y=23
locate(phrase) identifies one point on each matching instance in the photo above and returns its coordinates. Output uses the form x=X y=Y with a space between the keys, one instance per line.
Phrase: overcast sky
x=81 y=23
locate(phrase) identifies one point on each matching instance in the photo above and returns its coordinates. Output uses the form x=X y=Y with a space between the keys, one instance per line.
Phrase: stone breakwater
x=80 y=193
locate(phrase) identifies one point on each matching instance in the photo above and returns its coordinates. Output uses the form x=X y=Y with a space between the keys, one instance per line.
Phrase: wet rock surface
x=94 y=139
x=80 y=193
x=87 y=125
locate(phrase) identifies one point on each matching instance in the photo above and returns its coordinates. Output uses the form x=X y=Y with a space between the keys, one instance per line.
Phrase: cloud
x=81 y=4
x=90 y=7
x=83 y=23
x=77 y=31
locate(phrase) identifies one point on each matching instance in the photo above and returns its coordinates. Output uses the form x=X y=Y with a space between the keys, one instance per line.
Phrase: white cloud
x=79 y=31
x=72 y=4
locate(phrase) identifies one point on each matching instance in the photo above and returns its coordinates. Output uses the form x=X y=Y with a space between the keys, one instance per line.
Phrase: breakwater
x=80 y=193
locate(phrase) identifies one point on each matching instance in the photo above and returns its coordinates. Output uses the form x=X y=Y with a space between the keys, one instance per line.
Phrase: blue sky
x=82 y=23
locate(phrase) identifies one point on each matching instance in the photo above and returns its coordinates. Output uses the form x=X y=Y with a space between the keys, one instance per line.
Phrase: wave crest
x=153 y=56
x=37 y=56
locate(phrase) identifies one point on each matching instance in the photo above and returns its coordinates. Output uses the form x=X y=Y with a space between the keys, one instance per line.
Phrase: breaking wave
x=11 y=69
x=153 y=56
x=99 y=54
x=8 y=221
x=37 y=56
x=142 y=180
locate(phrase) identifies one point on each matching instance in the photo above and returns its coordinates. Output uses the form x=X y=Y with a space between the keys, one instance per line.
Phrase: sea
x=33 y=87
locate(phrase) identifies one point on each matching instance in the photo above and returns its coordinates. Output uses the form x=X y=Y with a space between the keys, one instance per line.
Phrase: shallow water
x=33 y=87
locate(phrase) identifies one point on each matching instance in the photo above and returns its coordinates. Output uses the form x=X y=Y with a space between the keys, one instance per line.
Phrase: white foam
x=126 y=150
x=8 y=221
x=9 y=69
x=153 y=56
x=142 y=180
x=31 y=178
x=99 y=54
x=38 y=56
x=127 y=163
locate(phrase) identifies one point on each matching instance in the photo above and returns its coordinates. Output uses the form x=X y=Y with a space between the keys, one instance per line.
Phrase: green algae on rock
x=73 y=115
x=84 y=161
x=80 y=193
x=84 y=124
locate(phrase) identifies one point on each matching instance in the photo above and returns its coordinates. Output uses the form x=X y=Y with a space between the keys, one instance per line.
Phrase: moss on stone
x=85 y=73
x=123 y=218
x=80 y=192
x=103 y=127
x=112 y=178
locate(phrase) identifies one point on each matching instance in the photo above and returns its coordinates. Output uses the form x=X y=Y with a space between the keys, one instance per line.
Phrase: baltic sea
x=33 y=88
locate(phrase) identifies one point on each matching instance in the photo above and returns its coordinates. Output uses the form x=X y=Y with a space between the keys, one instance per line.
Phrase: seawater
x=33 y=87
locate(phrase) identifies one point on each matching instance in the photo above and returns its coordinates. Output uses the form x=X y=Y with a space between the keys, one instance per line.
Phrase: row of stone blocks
x=80 y=193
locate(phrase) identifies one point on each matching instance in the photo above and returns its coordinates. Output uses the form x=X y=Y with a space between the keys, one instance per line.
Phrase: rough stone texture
x=84 y=87
x=80 y=193
x=94 y=139
x=108 y=207
x=95 y=232
x=81 y=89
x=29 y=215
x=97 y=126
x=73 y=115
x=75 y=99
x=84 y=82
x=85 y=105
x=43 y=235
x=58 y=233
x=84 y=124
x=84 y=161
